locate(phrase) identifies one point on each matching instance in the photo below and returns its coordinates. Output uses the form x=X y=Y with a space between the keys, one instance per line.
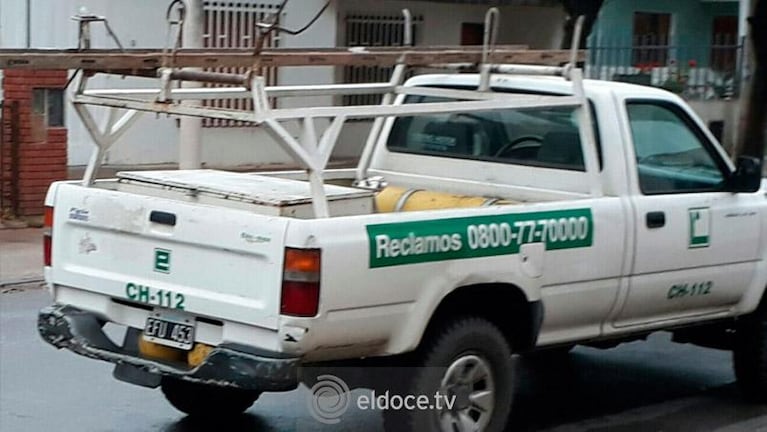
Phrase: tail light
x=301 y=282
x=47 y=236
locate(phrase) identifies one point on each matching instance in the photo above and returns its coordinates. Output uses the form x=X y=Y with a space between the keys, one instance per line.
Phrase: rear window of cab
x=544 y=137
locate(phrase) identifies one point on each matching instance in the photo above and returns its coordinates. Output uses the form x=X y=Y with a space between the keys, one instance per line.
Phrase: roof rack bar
x=327 y=89
x=357 y=112
x=360 y=112
x=213 y=93
x=372 y=111
x=529 y=70
x=450 y=93
x=521 y=69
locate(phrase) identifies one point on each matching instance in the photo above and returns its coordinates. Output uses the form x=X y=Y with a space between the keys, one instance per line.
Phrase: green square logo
x=700 y=227
x=162 y=260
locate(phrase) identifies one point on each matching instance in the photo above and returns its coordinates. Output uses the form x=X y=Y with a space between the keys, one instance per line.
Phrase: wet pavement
x=641 y=386
x=21 y=255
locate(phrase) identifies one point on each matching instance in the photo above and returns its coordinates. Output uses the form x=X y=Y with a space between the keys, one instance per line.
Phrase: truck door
x=696 y=245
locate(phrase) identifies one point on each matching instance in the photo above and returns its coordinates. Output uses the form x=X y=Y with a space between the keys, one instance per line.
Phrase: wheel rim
x=469 y=380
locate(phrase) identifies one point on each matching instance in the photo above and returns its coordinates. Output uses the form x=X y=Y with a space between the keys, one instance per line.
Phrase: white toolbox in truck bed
x=269 y=195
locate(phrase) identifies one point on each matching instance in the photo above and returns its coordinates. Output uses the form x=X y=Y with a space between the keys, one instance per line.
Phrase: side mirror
x=747 y=176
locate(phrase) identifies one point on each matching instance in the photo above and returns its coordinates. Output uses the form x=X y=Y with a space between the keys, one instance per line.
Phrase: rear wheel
x=467 y=361
x=205 y=401
x=750 y=356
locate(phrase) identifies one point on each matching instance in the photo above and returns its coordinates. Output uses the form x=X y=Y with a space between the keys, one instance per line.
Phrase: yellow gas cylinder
x=197 y=355
x=398 y=199
x=161 y=352
x=386 y=200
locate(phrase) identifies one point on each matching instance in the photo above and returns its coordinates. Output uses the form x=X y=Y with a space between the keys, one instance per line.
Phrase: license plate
x=169 y=330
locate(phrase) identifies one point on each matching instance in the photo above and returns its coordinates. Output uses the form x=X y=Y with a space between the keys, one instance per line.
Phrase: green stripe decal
x=472 y=237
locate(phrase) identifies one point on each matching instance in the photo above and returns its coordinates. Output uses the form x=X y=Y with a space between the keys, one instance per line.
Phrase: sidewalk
x=21 y=256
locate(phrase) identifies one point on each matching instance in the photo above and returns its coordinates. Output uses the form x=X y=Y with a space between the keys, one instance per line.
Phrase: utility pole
x=28 y=35
x=190 y=128
x=754 y=117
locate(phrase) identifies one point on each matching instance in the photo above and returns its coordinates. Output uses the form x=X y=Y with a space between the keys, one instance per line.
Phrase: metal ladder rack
x=145 y=62
x=310 y=151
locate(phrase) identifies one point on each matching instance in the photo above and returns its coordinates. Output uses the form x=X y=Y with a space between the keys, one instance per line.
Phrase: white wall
x=139 y=23
x=13 y=26
x=13 y=23
x=720 y=110
x=322 y=34
x=538 y=27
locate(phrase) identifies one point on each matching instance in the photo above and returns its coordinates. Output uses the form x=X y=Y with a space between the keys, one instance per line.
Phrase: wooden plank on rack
x=139 y=62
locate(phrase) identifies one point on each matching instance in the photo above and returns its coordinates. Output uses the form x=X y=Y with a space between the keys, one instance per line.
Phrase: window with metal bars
x=233 y=25
x=373 y=31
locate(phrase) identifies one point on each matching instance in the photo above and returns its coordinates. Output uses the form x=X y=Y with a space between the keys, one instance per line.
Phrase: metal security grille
x=373 y=30
x=233 y=25
x=705 y=71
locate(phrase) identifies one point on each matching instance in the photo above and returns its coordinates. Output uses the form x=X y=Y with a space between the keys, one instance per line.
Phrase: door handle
x=656 y=219
x=162 y=218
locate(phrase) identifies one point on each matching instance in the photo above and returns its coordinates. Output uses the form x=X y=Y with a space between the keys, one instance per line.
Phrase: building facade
x=687 y=46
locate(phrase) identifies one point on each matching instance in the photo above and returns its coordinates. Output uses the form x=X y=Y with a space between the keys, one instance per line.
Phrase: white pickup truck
x=475 y=234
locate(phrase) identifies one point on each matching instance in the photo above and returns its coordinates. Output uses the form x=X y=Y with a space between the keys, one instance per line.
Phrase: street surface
x=641 y=386
x=21 y=255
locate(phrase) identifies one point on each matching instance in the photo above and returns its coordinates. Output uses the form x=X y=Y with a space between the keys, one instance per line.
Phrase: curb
x=15 y=224
x=22 y=223
x=23 y=281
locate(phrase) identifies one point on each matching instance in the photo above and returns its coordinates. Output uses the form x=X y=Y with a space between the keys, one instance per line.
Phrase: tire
x=465 y=344
x=750 y=357
x=205 y=401
x=546 y=354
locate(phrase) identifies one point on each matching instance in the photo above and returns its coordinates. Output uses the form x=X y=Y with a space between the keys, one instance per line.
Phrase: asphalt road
x=642 y=386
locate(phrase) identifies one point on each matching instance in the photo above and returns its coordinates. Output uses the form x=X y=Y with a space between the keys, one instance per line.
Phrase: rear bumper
x=228 y=365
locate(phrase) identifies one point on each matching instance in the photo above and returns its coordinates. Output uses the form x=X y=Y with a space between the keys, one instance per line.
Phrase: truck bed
x=274 y=195
x=263 y=194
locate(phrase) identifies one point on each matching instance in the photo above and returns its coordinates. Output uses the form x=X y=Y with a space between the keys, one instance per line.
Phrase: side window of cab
x=672 y=153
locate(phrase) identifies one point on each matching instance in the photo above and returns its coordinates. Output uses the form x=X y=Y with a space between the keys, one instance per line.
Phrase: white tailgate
x=224 y=263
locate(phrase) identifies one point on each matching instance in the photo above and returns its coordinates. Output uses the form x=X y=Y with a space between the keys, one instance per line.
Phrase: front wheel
x=468 y=363
x=206 y=401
